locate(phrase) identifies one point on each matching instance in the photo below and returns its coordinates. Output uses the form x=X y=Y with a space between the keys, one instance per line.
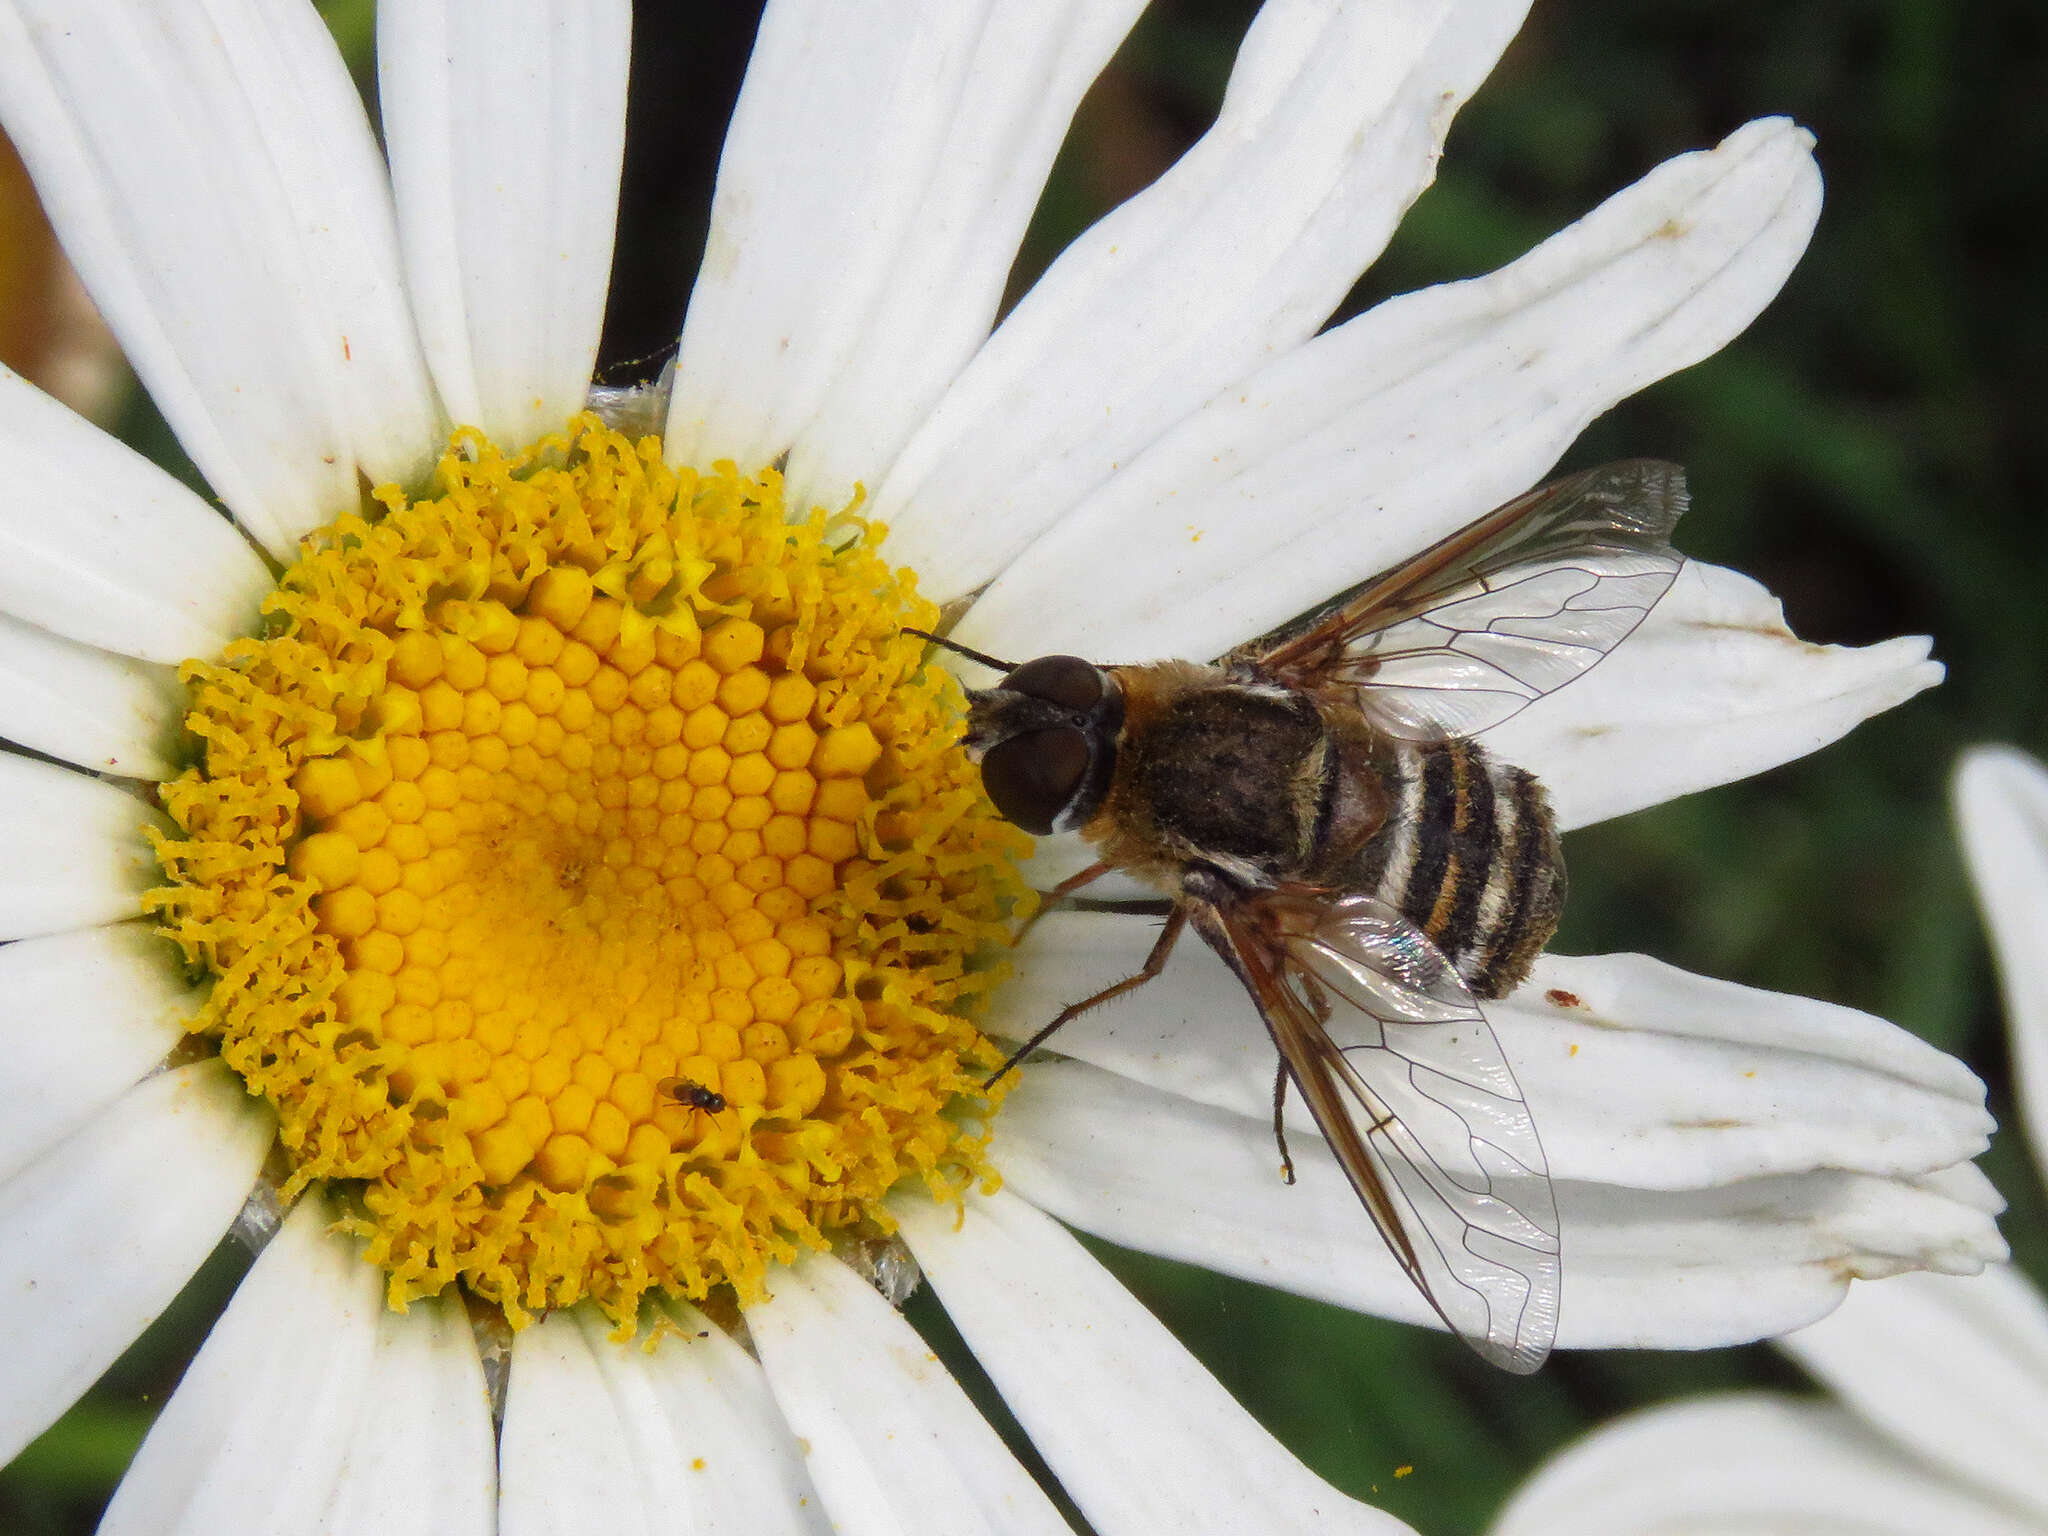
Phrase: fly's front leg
x=1066 y=887
x=1149 y=971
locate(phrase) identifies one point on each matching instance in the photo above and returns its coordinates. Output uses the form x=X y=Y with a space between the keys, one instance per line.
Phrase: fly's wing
x=1404 y=1075
x=1500 y=613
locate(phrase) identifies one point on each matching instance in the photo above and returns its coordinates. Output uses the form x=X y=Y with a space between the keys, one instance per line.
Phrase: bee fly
x=1317 y=809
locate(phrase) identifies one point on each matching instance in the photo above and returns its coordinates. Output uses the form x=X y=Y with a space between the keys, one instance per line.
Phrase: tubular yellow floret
x=542 y=798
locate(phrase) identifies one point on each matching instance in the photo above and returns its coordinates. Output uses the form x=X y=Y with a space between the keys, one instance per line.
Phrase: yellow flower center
x=589 y=877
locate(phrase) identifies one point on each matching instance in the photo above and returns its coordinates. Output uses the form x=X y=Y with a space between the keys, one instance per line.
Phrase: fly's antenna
x=960 y=650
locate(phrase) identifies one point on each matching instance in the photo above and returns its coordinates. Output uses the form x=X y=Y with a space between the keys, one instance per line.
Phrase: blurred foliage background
x=1863 y=451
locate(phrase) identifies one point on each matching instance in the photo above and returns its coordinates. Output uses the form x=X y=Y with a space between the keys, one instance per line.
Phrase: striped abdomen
x=1469 y=855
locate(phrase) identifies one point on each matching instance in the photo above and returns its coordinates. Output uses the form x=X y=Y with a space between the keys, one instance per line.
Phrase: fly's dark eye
x=1067 y=681
x=1033 y=777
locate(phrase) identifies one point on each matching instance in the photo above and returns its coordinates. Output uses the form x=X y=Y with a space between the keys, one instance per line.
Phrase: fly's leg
x=1280 y=1121
x=1149 y=971
x=1066 y=887
x=1074 y=882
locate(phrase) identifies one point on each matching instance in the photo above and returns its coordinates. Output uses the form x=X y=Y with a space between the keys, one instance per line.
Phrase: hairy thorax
x=1212 y=769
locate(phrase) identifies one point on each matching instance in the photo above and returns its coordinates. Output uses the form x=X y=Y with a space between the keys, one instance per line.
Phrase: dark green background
x=1865 y=450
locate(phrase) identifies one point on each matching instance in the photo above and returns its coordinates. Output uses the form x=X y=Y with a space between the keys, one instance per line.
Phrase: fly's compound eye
x=1035 y=776
x=1067 y=681
x=1046 y=741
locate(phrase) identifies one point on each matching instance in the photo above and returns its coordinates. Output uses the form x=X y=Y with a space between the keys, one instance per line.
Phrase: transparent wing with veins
x=1482 y=624
x=1405 y=1078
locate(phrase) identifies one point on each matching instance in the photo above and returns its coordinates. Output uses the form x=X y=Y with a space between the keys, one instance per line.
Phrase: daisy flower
x=531 y=851
x=1938 y=1381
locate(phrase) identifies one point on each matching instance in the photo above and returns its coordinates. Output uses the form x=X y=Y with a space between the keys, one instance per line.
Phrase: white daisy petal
x=1951 y=1367
x=1684 y=1269
x=601 y=1435
x=1966 y=1183
x=877 y=177
x=1331 y=127
x=1747 y=1465
x=894 y=1444
x=1379 y=437
x=565 y=1444
x=1711 y=689
x=82 y=1017
x=507 y=123
x=76 y=855
x=939 y=290
x=100 y=1233
x=1142 y=1438
x=256 y=1435
x=2001 y=805
x=102 y=711
x=1754 y=1259
x=1644 y=1074
x=746 y=1470
x=1637 y=1073
x=212 y=175
x=419 y=1459
x=98 y=544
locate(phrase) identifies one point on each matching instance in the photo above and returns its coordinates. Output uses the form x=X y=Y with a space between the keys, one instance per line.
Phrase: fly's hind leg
x=1280 y=1120
x=1155 y=962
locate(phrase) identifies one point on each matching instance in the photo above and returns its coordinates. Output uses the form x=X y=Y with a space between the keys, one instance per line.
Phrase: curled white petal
x=1379 y=437
x=98 y=1234
x=507 y=124
x=75 y=854
x=1141 y=1436
x=894 y=1444
x=1747 y=1465
x=1330 y=128
x=1671 y=1269
x=1645 y=1074
x=212 y=175
x=1637 y=1073
x=98 y=544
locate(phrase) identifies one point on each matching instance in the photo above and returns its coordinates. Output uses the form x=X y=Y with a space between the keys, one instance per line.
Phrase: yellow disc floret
x=589 y=877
